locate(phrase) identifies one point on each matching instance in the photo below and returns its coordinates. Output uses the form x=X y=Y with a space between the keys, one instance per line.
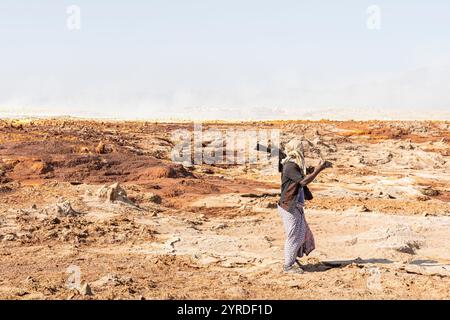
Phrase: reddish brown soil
x=42 y=161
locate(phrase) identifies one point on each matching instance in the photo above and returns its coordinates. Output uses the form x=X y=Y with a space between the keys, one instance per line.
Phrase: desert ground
x=99 y=210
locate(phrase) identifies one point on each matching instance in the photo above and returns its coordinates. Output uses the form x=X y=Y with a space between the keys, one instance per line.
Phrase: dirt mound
x=64 y=209
x=114 y=193
x=32 y=167
x=78 y=230
x=169 y=171
x=90 y=168
x=38 y=147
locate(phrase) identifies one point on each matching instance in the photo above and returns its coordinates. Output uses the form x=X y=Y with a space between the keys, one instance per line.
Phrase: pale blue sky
x=225 y=59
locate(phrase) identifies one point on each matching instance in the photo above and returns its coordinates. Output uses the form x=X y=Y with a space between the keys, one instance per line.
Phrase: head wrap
x=295 y=152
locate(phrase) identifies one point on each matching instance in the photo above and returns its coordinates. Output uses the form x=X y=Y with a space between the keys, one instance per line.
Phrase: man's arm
x=310 y=177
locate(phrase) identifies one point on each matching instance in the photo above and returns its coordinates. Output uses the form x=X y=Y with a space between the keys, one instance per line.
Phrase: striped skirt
x=299 y=238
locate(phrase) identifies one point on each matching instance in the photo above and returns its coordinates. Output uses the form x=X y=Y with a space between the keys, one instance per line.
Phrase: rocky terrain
x=98 y=210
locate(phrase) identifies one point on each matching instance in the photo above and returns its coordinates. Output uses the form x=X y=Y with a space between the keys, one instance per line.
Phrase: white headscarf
x=295 y=152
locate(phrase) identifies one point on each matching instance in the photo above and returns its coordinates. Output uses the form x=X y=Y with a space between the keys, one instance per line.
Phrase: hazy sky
x=225 y=59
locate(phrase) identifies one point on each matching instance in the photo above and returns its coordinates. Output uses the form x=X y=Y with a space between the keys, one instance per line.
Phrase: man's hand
x=325 y=164
x=310 y=177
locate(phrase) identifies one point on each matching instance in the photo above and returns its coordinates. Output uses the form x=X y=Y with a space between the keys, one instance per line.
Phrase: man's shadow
x=332 y=264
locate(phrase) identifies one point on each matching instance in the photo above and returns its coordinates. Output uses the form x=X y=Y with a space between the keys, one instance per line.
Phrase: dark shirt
x=291 y=188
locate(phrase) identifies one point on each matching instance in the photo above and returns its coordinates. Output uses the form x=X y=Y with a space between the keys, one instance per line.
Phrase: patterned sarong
x=299 y=238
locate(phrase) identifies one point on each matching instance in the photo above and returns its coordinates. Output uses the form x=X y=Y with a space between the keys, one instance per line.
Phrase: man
x=299 y=238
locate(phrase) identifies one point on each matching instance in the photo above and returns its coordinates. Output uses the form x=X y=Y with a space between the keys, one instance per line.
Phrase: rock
x=407 y=247
x=271 y=205
x=35 y=166
x=152 y=197
x=207 y=171
x=5 y=189
x=194 y=222
x=114 y=193
x=83 y=150
x=86 y=290
x=9 y=237
x=423 y=198
x=293 y=284
x=16 y=125
x=400 y=238
x=236 y=262
x=428 y=270
x=380 y=159
x=172 y=241
x=205 y=259
x=351 y=241
x=31 y=281
x=237 y=292
x=188 y=165
x=100 y=148
x=65 y=209
x=55 y=221
x=220 y=226
x=430 y=192
x=167 y=171
x=111 y=280
x=362 y=208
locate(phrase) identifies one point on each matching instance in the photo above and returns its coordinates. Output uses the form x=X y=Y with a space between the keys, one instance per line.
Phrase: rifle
x=281 y=156
x=277 y=151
